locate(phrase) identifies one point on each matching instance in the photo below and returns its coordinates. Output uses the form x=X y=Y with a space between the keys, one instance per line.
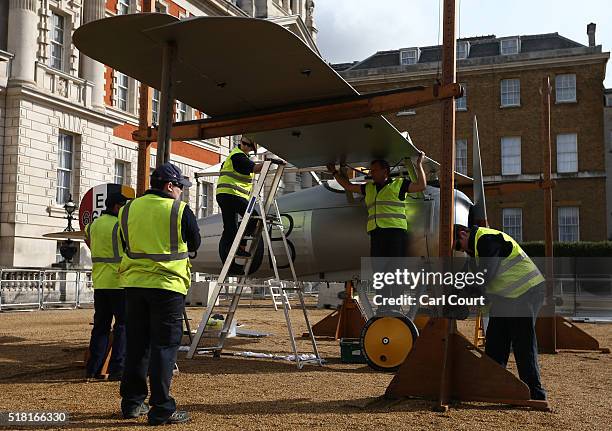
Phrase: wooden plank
x=145 y=118
x=326 y=111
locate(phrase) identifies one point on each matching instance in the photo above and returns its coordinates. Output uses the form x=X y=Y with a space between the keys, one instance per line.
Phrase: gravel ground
x=41 y=368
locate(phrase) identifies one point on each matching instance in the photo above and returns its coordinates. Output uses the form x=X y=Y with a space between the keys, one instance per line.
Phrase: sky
x=352 y=30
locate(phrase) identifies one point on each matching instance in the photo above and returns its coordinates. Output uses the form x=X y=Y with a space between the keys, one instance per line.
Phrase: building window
x=567 y=153
x=204 y=197
x=123 y=7
x=155 y=106
x=513 y=222
x=409 y=56
x=121 y=170
x=511 y=155
x=565 y=88
x=609 y=100
x=160 y=8
x=463 y=50
x=123 y=85
x=65 y=153
x=461 y=158
x=181 y=111
x=509 y=46
x=510 y=92
x=569 y=224
x=461 y=103
x=56 y=59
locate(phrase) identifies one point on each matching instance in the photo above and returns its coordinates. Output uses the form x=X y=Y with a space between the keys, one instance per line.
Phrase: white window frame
x=182 y=112
x=565 y=88
x=567 y=153
x=59 y=43
x=155 y=98
x=464 y=51
x=123 y=7
x=461 y=156
x=123 y=85
x=512 y=222
x=409 y=56
x=160 y=7
x=204 y=199
x=461 y=103
x=64 y=191
x=565 y=214
x=510 y=92
x=510 y=157
x=515 y=42
x=123 y=177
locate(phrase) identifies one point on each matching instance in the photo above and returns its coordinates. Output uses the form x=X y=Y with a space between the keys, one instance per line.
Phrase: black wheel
x=386 y=341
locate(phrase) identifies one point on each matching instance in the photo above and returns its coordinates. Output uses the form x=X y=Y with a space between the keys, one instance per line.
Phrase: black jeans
x=517 y=332
x=231 y=207
x=108 y=303
x=388 y=243
x=154 y=331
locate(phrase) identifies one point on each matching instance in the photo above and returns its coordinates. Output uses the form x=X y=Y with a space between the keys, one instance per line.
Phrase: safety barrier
x=40 y=288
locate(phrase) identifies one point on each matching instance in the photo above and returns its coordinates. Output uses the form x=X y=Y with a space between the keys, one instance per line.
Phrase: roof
x=480 y=46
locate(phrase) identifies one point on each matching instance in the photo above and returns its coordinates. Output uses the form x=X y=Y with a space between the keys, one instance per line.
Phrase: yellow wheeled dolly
x=387 y=340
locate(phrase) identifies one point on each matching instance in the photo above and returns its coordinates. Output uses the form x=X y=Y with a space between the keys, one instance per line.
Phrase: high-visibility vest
x=155 y=254
x=385 y=209
x=516 y=273
x=103 y=237
x=232 y=182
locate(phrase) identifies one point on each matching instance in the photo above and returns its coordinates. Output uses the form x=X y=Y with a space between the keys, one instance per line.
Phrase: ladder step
x=242 y=285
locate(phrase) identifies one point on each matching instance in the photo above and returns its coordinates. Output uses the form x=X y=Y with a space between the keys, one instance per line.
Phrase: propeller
x=478 y=213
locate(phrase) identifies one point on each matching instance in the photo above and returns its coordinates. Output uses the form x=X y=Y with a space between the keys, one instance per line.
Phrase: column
x=22 y=33
x=93 y=71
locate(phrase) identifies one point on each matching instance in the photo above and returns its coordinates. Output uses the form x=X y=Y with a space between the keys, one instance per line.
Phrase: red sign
x=93 y=203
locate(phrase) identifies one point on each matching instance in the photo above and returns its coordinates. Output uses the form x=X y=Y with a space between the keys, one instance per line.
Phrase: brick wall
x=585 y=118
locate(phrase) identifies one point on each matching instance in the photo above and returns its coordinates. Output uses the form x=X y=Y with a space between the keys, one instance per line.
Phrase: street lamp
x=68 y=248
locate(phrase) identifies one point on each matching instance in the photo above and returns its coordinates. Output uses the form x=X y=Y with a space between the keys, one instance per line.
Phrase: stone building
x=66 y=120
x=608 y=141
x=502 y=77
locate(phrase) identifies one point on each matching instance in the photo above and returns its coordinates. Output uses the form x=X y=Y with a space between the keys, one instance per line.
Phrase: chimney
x=591 y=33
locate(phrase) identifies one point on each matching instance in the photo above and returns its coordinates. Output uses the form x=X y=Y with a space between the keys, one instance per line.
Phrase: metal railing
x=42 y=288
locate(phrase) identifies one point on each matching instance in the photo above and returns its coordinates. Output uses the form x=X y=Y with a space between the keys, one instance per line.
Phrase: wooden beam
x=447 y=186
x=144 y=122
x=360 y=106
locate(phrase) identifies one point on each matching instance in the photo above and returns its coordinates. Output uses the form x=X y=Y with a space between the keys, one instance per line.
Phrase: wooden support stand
x=444 y=358
x=107 y=356
x=565 y=336
x=347 y=322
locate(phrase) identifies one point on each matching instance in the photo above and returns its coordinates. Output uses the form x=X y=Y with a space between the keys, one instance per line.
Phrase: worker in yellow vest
x=385 y=200
x=388 y=224
x=158 y=231
x=102 y=237
x=232 y=194
x=514 y=290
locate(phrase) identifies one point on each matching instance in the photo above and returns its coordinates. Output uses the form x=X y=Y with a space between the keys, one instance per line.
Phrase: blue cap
x=169 y=173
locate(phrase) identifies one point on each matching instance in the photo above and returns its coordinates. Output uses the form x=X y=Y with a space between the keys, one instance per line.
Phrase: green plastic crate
x=350 y=351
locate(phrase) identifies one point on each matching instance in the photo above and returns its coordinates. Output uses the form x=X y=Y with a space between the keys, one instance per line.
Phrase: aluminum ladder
x=269 y=217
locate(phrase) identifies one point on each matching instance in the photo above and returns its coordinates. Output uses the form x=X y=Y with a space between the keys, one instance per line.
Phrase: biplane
x=296 y=106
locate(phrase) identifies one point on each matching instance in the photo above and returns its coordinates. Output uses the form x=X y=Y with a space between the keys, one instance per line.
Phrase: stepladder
x=263 y=209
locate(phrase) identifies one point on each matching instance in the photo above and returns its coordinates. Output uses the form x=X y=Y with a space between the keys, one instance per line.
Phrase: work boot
x=136 y=412
x=90 y=378
x=178 y=417
x=115 y=377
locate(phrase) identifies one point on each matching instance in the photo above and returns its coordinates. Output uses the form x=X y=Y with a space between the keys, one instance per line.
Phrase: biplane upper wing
x=233 y=65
